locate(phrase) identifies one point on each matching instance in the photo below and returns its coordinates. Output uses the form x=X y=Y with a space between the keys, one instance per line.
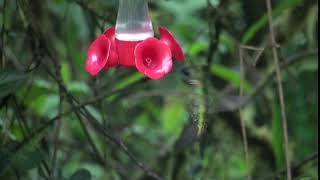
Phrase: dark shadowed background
x=58 y=123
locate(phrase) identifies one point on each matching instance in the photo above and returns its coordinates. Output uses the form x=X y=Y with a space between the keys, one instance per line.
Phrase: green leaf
x=45 y=105
x=197 y=47
x=10 y=82
x=78 y=87
x=16 y=154
x=173 y=116
x=277 y=135
x=81 y=174
x=231 y=76
x=65 y=72
x=129 y=80
x=38 y=88
x=30 y=160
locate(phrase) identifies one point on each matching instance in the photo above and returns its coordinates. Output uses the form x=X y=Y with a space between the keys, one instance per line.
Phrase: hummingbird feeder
x=132 y=43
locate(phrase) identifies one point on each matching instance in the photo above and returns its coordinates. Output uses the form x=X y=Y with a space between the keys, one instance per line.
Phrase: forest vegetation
x=244 y=104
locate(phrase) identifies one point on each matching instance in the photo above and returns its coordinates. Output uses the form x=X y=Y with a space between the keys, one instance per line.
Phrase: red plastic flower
x=153 y=58
x=114 y=58
x=102 y=53
x=175 y=47
x=98 y=55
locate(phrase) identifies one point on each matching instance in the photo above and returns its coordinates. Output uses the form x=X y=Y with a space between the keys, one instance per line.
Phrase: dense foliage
x=58 y=122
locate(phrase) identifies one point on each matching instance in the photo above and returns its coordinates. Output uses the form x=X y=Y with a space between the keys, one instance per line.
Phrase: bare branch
x=280 y=90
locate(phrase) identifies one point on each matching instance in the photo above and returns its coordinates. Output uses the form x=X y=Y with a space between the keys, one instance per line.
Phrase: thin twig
x=259 y=51
x=280 y=90
x=96 y=125
x=56 y=135
x=243 y=125
x=269 y=78
x=92 y=121
x=26 y=131
x=46 y=52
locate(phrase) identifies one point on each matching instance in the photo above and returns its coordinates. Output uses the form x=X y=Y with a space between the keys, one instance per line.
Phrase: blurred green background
x=57 y=122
